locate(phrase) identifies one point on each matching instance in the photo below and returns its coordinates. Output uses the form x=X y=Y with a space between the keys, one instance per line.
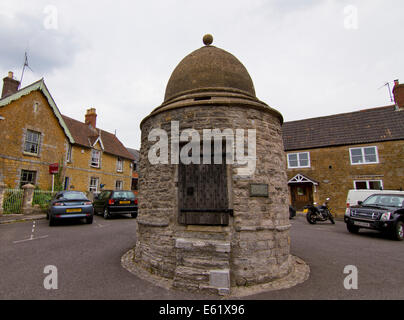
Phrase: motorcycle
x=318 y=213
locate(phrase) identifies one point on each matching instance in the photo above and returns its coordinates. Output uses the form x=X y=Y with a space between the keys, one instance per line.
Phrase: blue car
x=70 y=205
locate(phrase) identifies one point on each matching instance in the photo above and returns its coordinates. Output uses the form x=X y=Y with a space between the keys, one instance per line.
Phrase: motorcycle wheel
x=332 y=219
x=311 y=218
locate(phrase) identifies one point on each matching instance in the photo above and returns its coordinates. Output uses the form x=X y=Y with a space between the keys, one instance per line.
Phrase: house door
x=302 y=194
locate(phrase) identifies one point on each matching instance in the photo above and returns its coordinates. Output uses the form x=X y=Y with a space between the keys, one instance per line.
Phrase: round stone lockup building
x=213 y=197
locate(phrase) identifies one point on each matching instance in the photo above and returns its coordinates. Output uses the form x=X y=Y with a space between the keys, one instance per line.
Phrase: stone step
x=202 y=264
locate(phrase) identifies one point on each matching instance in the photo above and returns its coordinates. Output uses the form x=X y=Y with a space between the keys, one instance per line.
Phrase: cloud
x=118 y=56
x=49 y=47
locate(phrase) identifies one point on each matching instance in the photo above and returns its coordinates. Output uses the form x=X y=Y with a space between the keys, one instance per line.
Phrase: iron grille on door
x=203 y=197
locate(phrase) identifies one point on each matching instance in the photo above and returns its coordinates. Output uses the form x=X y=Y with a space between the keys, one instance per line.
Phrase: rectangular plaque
x=259 y=190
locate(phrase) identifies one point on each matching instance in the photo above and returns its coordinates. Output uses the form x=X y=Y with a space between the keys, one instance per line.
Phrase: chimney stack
x=10 y=85
x=91 y=118
x=398 y=92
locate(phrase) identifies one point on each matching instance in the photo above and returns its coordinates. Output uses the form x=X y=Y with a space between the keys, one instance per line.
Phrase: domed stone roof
x=209 y=67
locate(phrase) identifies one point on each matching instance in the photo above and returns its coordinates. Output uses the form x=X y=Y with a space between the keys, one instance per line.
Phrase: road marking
x=32 y=235
x=99 y=225
x=30 y=239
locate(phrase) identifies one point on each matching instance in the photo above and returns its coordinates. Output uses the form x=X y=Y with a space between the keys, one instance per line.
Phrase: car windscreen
x=123 y=195
x=72 y=196
x=384 y=200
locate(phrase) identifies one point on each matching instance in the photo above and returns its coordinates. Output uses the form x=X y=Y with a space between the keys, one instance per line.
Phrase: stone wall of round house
x=258 y=231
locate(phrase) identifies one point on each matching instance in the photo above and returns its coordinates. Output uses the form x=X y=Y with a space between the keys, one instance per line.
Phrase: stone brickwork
x=33 y=112
x=30 y=112
x=233 y=237
x=331 y=168
x=254 y=248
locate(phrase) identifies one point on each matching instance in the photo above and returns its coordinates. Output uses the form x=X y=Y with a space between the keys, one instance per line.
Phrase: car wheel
x=89 y=220
x=107 y=215
x=352 y=229
x=399 y=231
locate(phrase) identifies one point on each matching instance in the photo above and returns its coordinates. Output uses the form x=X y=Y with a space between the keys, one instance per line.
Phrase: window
x=32 y=139
x=364 y=155
x=368 y=184
x=69 y=153
x=27 y=177
x=119 y=165
x=118 y=185
x=123 y=195
x=299 y=160
x=104 y=195
x=95 y=158
x=93 y=185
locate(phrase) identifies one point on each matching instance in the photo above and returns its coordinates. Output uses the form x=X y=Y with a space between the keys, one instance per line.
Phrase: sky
x=307 y=58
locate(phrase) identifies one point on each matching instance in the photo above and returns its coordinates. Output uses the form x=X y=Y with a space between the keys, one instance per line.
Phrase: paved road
x=87 y=258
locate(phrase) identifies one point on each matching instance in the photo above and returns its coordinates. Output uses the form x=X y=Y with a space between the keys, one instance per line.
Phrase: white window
x=368 y=184
x=95 y=158
x=32 y=139
x=119 y=165
x=299 y=160
x=364 y=155
x=118 y=185
x=94 y=184
x=69 y=153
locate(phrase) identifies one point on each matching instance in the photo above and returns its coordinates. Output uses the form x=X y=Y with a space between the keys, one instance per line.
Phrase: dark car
x=113 y=202
x=383 y=212
x=70 y=205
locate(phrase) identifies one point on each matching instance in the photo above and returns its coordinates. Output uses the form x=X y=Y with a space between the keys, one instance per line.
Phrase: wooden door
x=203 y=197
x=302 y=194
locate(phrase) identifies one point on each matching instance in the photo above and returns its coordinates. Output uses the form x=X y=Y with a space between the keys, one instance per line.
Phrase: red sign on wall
x=54 y=168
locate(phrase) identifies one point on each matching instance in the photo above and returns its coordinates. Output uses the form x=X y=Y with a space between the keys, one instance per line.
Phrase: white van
x=359 y=195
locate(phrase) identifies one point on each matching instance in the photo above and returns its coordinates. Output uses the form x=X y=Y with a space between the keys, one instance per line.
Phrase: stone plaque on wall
x=259 y=190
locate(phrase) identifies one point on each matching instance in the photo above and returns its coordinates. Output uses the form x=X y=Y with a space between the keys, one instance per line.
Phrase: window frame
x=364 y=162
x=26 y=141
x=367 y=184
x=120 y=183
x=91 y=186
x=69 y=153
x=298 y=160
x=92 y=163
x=28 y=181
x=119 y=165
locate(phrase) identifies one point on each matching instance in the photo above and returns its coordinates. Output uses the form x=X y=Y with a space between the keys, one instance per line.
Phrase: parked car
x=70 y=205
x=112 y=202
x=383 y=212
x=359 y=195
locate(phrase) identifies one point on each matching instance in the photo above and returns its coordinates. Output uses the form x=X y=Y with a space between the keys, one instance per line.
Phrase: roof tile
x=365 y=126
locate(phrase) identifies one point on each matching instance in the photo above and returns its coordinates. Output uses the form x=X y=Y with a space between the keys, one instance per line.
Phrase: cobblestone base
x=299 y=274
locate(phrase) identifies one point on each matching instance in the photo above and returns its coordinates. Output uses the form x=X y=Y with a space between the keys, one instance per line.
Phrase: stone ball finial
x=207 y=39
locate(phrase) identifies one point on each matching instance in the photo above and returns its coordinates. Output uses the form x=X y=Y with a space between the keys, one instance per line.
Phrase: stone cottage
x=328 y=156
x=34 y=134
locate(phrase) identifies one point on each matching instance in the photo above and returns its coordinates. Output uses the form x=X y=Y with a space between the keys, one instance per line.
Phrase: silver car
x=70 y=205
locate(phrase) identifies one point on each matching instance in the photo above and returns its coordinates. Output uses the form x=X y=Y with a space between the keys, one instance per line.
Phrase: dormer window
x=95 y=158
